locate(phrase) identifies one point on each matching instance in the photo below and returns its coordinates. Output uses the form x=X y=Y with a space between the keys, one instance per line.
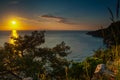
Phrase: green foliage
x=109 y=54
x=76 y=70
x=27 y=57
x=118 y=73
x=84 y=70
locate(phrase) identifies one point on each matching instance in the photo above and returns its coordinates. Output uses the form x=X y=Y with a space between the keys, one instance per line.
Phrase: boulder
x=100 y=68
x=101 y=72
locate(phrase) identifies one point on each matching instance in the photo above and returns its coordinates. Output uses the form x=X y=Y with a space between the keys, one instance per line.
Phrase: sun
x=13 y=22
x=14 y=25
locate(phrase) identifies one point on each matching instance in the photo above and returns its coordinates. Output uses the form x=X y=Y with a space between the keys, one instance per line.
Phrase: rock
x=100 y=68
x=101 y=72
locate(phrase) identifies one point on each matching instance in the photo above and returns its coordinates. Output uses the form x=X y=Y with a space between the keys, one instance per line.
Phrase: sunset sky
x=55 y=14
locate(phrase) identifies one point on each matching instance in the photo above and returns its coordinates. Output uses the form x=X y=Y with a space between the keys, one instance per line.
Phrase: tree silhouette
x=27 y=57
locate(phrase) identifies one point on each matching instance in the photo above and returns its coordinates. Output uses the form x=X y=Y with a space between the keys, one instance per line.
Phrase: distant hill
x=110 y=35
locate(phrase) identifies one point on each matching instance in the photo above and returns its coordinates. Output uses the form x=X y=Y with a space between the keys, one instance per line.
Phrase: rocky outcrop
x=102 y=73
x=110 y=35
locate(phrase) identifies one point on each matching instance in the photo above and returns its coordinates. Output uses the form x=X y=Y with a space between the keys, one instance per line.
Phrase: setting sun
x=14 y=25
x=13 y=22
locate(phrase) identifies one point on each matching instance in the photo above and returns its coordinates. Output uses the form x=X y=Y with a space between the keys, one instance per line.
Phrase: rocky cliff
x=110 y=35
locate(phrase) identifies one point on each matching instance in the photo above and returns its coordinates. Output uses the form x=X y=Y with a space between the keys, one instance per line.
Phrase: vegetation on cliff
x=110 y=34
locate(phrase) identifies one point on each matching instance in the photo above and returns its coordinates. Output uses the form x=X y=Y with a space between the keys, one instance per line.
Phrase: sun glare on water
x=14 y=33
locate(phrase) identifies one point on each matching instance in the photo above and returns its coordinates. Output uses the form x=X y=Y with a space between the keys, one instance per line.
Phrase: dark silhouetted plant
x=26 y=56
x=112 y=18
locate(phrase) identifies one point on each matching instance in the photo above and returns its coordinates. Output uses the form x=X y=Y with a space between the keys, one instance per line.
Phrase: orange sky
x=41 y=23
x=55 y=14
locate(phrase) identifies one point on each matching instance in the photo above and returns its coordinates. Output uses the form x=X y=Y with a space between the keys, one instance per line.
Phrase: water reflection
x=14 y=34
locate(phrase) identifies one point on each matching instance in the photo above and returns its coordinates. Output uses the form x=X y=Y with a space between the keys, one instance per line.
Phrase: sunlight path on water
x=13 y=34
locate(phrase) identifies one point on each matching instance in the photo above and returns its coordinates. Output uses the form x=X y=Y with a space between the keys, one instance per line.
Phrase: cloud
x=51 y=16
x=44 y=20
x=54 y=18
x=28 y=20
x=58 y=19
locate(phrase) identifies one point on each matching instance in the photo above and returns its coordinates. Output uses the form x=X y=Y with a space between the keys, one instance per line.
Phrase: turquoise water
x=82 y=45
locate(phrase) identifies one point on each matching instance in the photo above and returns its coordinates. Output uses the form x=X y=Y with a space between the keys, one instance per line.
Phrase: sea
x=82 y=45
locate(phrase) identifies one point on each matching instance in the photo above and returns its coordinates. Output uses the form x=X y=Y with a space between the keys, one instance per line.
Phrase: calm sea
x=82 y=45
